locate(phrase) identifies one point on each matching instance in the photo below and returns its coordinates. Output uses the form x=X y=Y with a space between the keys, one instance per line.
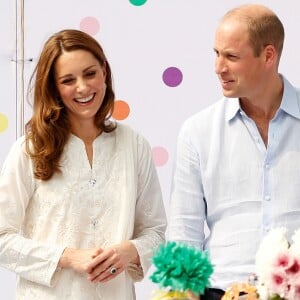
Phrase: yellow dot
x=121 y=110
x=3 y=122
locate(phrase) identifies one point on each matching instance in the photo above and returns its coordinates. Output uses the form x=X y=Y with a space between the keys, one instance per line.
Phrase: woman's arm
x=29 y=259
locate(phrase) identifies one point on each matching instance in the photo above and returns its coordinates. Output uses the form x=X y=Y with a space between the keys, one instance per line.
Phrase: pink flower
x=278 y=266
x=278 y=283
x=294 y=293
x=294 y=268
x=284 y=260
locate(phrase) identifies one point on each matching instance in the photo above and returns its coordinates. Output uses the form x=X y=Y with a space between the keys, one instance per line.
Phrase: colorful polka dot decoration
x=3 y=122
x=121 y=110
x=90 y=25
x=172 y=77
x=160 y=156
x=137 y=2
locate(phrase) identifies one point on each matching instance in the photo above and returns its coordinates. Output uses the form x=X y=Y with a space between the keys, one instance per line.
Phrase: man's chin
x=229 y=94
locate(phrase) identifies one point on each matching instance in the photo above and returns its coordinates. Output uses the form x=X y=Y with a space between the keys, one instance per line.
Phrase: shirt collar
x=233 y=107
x=289 y=103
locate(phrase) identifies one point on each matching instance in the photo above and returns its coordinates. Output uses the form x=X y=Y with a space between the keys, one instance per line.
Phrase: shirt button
x=94 y=223
x=92 y=181
x=267 y=198
x=267 y=166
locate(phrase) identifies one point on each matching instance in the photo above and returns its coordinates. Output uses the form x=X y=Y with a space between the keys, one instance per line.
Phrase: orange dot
x=121 y=110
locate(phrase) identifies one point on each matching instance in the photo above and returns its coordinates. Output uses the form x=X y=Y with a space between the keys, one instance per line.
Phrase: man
x=238 y=161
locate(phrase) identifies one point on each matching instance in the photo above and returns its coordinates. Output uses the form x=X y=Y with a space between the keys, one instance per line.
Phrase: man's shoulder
x=207 y=114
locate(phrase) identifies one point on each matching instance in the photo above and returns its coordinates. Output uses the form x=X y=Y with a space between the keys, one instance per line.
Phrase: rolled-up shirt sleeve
x=187 y=205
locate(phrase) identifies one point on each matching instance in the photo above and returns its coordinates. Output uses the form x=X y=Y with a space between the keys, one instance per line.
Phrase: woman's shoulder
x=18 y=146
x=126 y=133
x=126 y=130
x=17 y=155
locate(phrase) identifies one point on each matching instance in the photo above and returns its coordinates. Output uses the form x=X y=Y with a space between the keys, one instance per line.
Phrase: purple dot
x=172 y=76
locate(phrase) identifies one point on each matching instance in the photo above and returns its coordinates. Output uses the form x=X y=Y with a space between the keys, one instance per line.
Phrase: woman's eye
x=67 y=81
x=90 y=73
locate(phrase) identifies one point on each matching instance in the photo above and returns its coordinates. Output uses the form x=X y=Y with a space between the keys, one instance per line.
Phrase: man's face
x=239 y=71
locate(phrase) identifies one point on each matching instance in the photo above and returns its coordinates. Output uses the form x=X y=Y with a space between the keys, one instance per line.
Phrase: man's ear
x=270 y=54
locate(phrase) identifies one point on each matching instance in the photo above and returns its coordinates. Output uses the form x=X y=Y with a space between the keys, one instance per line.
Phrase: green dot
x=3 y=122
x=137 y=2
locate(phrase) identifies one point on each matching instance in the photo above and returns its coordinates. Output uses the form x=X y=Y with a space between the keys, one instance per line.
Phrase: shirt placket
x=91 y=186
x=266 y=167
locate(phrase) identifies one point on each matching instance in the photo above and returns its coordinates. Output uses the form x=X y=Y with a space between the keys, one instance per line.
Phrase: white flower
x=263 y=292
x=277 y=268
x=295 y=247
x=272 y=244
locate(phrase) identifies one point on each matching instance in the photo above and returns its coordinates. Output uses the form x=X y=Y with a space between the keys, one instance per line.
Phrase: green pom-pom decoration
x=181 y=267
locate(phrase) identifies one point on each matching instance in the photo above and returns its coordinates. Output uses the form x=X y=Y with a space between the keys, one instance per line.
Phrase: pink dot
x=89 y=25
x=160 y=156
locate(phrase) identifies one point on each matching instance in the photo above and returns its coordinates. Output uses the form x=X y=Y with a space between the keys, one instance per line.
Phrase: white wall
x=141 y=42
x=8 y=106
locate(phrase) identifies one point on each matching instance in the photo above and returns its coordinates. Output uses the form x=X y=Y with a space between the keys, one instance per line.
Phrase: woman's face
x=80 y=80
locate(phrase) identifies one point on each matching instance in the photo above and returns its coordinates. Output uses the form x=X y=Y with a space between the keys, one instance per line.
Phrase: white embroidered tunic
x=118 y=198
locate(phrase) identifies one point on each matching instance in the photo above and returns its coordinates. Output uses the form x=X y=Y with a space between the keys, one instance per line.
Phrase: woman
x=80 y=203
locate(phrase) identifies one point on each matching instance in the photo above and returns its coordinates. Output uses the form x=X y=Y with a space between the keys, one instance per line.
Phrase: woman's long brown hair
x=48 y=129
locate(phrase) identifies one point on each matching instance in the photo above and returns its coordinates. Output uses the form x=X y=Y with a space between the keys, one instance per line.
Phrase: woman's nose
x=81 y=84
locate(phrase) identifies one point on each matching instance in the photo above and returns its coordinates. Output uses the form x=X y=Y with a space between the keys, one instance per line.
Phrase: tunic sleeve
x=150 y=217
x=27 y=258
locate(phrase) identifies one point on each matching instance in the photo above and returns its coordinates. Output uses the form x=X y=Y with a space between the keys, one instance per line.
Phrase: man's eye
x=231 y=56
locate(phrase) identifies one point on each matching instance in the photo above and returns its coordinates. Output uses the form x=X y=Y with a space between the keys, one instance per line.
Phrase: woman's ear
x=104 y=70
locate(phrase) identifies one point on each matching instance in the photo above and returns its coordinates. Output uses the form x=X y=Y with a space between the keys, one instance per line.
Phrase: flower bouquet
x=181 y=272
x=277 y=269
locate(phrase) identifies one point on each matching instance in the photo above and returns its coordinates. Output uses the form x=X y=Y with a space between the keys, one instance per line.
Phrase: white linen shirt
x=118 y=199
x=226 y=176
